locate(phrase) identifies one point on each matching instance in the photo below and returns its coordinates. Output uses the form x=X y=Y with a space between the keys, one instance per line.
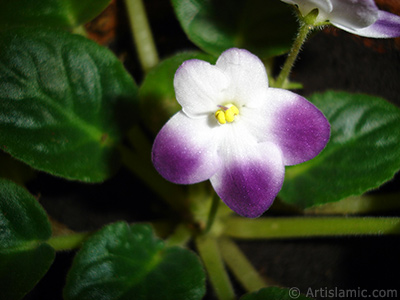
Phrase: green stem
x=303 y=227
x=210 y=254
x=364 y=204
x=294 y=52
x=144 y=170
x=142 y=34
x=212 y=213
x=68 y=242
x=81 y=30
x=241 y=267
x=180 y=237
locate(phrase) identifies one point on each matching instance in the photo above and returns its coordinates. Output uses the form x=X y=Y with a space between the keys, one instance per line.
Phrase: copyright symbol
x=294 y=292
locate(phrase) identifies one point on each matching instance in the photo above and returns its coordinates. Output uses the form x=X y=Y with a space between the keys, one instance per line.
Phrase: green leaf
x=24 y=228
x=64 y=103
x=129 y=262
x=62 y=13
x=265 y=28
x=275 y=293
x=362 y=154
x=157 y=95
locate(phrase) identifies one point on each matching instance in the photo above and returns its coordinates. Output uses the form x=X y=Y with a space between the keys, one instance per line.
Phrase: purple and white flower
x=236 y=131
x=360 y=17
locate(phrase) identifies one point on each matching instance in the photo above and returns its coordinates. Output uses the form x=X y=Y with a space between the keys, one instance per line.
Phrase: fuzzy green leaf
x=64 y=103
x=265 y=28
x=60 y=13
x=128 y=262
x=24 y=228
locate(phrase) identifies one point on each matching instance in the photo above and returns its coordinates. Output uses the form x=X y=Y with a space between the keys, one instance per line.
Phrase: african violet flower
x=236 y=131
x=360 y=17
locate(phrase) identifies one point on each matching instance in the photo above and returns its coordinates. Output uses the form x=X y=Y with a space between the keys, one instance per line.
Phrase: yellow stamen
x=220 y=115
x=226 y=114
x=230 y=113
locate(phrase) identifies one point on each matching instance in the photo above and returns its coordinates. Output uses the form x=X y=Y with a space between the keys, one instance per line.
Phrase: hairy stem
x=292 y=56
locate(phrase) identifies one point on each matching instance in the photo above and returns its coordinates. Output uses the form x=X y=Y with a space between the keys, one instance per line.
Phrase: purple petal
x=184 y=151
x=299 y=128
x=249 y=184
x=387 y=26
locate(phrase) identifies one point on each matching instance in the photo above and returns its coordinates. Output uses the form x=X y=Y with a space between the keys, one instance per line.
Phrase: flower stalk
x=68 y=241
x=305 y=227
x=364 y=204
x=212 y=213
x=282 y=78
x=210 y=253
x=241 y=267
x=142 y=34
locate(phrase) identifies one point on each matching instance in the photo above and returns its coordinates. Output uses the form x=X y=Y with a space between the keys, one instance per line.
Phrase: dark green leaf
x=129 y=262
x=157 y=95
x=275 y=293
x=362 y=154
x=62 y=13
x=266 y=28
x=24 y=228
x=64 y=103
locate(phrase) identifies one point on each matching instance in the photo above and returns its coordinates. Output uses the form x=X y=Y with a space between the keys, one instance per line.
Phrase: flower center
x=226 y=113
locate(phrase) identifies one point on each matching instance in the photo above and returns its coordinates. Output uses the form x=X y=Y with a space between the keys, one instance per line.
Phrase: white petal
x=247 y=74
x=353 y=14
x=260 y=120
x=387 y=26
x=199 y=87
x=306 y=6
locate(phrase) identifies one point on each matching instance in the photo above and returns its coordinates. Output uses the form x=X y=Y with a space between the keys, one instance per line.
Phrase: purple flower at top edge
x=360 y=17
x=236 y=131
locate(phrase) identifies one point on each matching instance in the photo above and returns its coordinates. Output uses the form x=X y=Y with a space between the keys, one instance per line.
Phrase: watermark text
x=326 y=292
